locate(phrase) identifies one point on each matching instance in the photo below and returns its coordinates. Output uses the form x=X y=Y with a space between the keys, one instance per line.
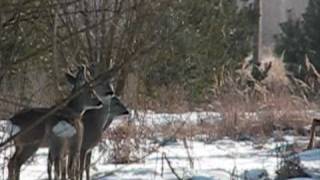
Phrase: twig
x=170 y=166
x=188 y=153
x=162 y=166
x=39 y=51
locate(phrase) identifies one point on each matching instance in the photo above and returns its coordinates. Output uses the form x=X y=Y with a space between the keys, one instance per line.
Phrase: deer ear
x=70 y=78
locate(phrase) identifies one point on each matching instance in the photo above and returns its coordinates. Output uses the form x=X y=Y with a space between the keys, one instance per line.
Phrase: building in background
x=275 y=12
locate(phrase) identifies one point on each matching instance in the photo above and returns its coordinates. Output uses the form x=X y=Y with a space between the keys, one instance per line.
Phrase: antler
x=86 y=73
x=71 y=72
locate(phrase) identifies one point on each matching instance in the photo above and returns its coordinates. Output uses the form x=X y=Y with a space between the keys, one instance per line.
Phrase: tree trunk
x=258 y=33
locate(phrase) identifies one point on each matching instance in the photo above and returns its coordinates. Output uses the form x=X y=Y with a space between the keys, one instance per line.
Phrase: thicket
x=192 y=45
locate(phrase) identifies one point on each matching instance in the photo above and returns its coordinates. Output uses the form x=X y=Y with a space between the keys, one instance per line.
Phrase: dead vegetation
x=250 y=110
x=290 y=165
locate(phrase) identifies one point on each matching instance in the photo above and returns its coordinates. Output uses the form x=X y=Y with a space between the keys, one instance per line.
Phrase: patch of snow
x=11 y=128
x=218 y=160
x=200 y=177
x=221 y=160
x=152 y=118
x=8 y=129
x=310 y=161
x=255 y=174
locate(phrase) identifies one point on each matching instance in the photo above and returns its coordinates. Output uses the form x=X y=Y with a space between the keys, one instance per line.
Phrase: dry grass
x=290 y=165
x=243 y=119
x=267 y=106
x=277 y=74
x=164 y=99
x=261 y=116
x=248 y=114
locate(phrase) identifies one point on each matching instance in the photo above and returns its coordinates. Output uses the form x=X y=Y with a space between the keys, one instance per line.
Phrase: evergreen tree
x=213 y=38
x=312 y=31
x=292 y=44
x=300 y=38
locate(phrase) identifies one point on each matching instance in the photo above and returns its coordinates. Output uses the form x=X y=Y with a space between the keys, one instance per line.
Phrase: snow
x=152 y=119
x=218 y=160
x=7 y=126
x=311 y=159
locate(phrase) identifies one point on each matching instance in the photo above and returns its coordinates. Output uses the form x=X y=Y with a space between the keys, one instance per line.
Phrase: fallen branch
x=188 y=153
x=170 y=166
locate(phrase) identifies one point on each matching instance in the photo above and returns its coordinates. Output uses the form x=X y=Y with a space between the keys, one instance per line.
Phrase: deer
x=315 y=123
x=97 y=121
x=65 y=137
x=64 y=140
x=94 y=122
x=30 y=142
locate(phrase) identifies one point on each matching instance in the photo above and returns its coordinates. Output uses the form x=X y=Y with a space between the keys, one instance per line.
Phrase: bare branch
x=170 y=166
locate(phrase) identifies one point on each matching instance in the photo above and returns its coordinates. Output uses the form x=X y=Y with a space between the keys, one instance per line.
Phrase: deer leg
x=312 y=135
x=49 y=166
x=12 y=165
x=69 y=167
x=77 y=166
x=22 y=154
x=82 y=163
x=87 y=165
x=73 y=167
x=64 y=169
x=57 y=168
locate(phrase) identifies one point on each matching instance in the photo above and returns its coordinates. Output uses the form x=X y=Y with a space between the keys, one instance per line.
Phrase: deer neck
x=102 y=117
x=107 y=121
x=75 y=106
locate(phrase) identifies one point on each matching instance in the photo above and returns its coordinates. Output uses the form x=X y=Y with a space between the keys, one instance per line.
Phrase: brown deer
x=28 y=144
x=65 y=139
x=315 y=124
x=97 y=121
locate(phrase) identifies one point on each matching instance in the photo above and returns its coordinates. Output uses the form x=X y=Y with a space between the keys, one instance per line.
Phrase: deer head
x=87 y=97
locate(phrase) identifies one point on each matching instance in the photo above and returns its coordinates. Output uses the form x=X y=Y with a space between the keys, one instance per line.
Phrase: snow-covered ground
x=221 y=159
x=150 y=118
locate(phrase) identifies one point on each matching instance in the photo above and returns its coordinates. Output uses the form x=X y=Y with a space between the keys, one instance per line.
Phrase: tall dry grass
x=267 y=106
x=249 y=113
